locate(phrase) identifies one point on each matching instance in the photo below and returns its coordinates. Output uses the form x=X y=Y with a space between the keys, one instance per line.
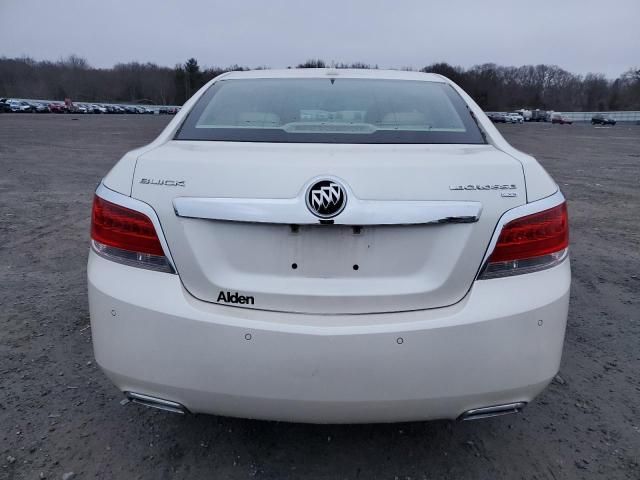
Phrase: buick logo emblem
x=326 y=198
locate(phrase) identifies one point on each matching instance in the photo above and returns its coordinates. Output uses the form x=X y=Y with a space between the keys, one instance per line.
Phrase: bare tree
x=494 y=87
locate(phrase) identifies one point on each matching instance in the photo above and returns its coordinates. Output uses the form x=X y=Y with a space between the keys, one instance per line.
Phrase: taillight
x=530 y=243
x=126 y=236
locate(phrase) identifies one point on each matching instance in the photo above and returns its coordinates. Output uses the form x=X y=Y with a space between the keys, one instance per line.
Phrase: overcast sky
x=579 y=35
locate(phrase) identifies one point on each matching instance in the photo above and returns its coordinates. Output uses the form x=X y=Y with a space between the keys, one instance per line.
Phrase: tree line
x=494 y=87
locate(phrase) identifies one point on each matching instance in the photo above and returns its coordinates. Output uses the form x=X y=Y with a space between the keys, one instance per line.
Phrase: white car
x=514 y=117
x=329 y=246
x=96 y=109
x=18 y=106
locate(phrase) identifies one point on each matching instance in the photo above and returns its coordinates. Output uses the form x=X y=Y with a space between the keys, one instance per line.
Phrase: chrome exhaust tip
x=493 y=411
x=155 y=402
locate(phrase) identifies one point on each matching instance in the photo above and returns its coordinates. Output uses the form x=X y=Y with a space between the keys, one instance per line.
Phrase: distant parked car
x=130 y=109
x=496 y=117
x=600 y=119
x=39 y=107
x=17 y=106
x=4 y=105
x=98 y=108
x=514 y=117
x=561 y=119
x=57 y=108
x=526 y=114
x=28 y=107
x=163 y=110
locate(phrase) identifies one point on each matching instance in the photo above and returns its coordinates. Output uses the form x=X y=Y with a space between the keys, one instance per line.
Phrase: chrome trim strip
x=118 y=198
x=155 y=402
x=294 y=211
x=493 y=411
x=517 y=212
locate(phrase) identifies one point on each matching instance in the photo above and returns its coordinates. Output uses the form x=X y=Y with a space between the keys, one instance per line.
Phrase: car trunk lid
x=417 y=224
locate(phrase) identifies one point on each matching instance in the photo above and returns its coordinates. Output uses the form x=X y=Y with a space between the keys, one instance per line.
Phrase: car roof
x=337 y=73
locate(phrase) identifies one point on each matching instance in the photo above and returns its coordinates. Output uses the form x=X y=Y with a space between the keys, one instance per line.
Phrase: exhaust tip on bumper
x=155 y=402
x=493 y=411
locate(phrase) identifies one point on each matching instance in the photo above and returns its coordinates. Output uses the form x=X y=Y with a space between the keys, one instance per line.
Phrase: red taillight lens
x=123 y=228
x=534 y=235
x=126 y=236
x=530 y=243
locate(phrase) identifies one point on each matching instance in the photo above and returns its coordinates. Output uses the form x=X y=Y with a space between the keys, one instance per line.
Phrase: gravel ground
x=59 y=414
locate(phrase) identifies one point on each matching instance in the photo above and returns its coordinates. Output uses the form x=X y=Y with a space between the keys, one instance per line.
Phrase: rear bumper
x=501 y=344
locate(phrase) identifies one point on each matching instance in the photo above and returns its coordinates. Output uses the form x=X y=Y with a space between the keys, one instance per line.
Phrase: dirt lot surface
x=59 y=414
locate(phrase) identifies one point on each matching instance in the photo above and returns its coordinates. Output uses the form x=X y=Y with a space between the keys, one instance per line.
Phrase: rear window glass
x=331 y=110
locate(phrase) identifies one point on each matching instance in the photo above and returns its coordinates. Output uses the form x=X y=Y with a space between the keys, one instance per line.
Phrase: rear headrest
x=258 y=118
x=404 y=118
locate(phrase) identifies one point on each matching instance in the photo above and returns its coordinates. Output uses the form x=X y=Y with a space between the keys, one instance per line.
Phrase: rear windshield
x=331 y=110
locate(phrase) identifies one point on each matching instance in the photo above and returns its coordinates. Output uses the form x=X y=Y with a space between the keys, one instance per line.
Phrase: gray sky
x=579 y=35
